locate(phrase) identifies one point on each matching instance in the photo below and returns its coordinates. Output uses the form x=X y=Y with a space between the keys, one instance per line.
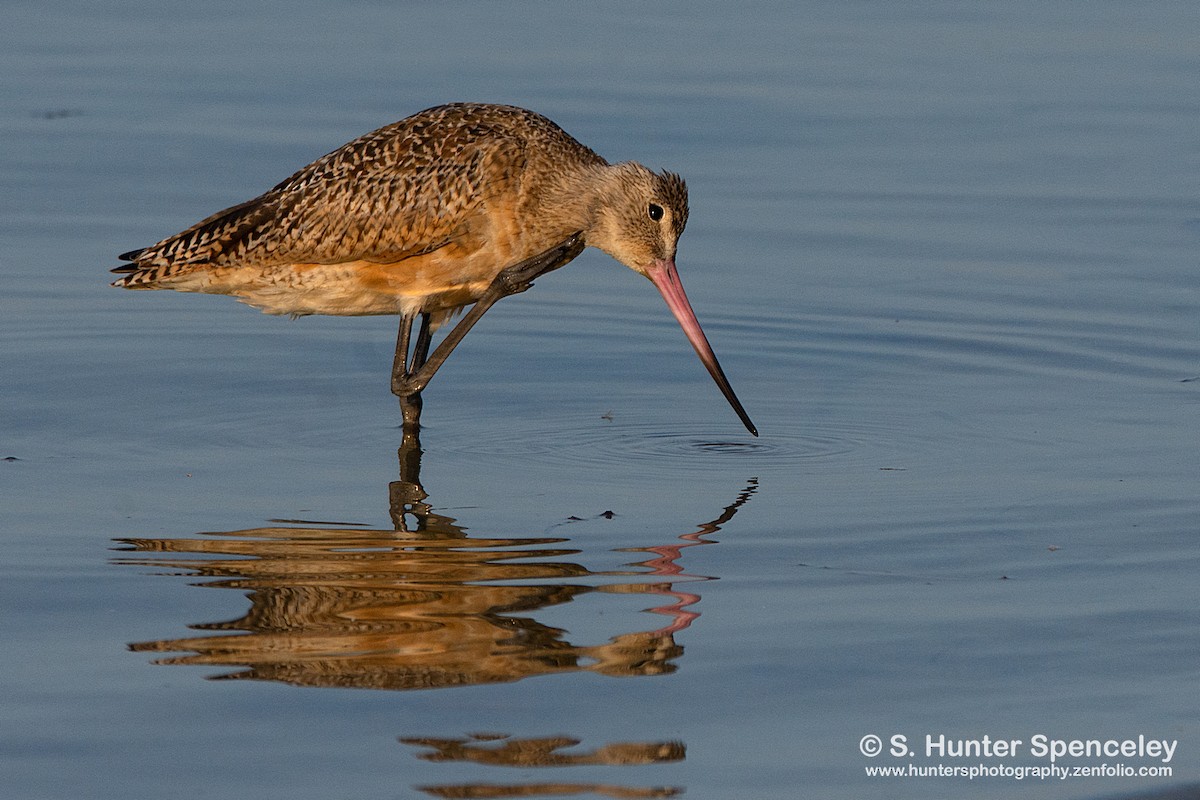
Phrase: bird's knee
x=405 y=387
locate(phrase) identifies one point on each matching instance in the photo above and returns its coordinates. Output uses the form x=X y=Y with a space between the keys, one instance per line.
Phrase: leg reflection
x=406 y=497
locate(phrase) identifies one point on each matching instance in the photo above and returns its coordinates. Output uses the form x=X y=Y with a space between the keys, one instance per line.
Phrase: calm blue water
x=946 y=253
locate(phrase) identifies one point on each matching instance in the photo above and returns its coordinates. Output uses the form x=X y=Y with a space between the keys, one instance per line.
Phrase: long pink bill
x=666 y=278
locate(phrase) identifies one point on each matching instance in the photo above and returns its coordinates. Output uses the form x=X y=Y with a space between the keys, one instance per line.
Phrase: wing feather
x=396 y=192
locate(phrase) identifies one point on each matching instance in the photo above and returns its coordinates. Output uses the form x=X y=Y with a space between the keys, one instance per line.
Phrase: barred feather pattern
x=452 y=183
x=387 y=195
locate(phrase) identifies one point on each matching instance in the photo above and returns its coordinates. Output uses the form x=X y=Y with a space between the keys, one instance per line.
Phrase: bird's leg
x=410 y=402
x=511 y=280
x=421 y=348
x=400 y=362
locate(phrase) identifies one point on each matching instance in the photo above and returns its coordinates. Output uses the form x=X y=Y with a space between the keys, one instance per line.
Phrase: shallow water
x=945 y=253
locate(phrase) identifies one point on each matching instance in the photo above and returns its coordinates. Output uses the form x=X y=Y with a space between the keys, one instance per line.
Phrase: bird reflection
x=421 y=606
x=544 y=751
x=499 y=750
x=486 y=791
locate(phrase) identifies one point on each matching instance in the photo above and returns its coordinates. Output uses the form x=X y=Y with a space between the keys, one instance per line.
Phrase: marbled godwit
x=458 y=205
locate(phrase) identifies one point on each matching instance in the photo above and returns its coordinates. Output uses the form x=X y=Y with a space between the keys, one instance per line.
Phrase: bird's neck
x=577 y=197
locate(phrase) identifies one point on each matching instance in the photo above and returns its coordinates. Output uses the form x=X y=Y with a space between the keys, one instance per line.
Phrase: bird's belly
x=353 y=288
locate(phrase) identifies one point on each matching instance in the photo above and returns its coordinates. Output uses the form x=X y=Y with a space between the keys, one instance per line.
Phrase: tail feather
x=134 y=275
x=139 y=276
x=222 y=237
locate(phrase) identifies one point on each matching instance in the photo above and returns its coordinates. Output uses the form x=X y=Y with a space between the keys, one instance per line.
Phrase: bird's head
x=638 y=218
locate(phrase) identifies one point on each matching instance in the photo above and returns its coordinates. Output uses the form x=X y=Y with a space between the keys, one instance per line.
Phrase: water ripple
x=687 y=447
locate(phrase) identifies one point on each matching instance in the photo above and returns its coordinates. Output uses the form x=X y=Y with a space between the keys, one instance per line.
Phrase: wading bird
x=459 y=205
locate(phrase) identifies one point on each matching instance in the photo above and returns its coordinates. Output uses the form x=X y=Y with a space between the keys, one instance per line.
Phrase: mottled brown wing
x=397 y=192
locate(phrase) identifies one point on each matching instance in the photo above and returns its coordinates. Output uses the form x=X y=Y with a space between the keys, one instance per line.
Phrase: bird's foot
x=519 y=277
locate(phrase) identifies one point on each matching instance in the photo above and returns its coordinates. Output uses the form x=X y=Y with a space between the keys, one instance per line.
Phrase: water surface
x=945 y=253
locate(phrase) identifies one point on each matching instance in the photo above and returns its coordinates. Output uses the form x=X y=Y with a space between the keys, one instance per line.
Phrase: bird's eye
x=656 y=212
